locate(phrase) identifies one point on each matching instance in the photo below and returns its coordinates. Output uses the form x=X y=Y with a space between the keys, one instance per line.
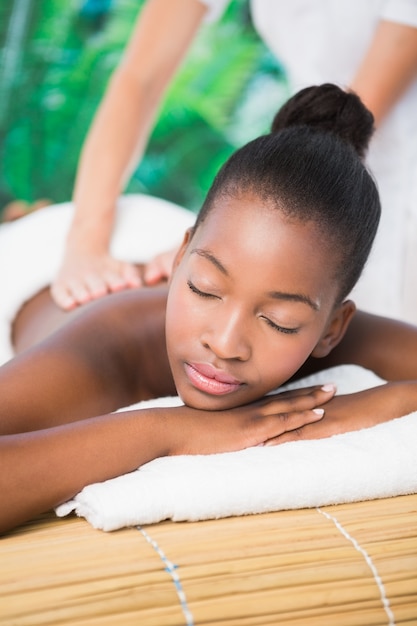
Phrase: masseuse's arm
x=388 y=68
x=115 y=143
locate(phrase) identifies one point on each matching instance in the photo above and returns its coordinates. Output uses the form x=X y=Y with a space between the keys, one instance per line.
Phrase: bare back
x=98 y=358
x=38 y=318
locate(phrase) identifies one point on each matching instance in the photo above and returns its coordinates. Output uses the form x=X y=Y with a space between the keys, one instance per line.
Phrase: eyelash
x=197 y=291
x=280 y=329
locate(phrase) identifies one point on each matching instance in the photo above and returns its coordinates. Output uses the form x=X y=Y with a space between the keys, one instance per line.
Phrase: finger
x=306 y=432
x=281 y=403
x=131 y=275
x=291 y=422
x=154 y=272
x=95 y=285
x=303 y=391
x=62 y=297
x=295 y=421
x=79 y=292
x=114 y=281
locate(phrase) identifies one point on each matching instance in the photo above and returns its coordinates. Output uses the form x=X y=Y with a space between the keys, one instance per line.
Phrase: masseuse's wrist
x=88 y=237
x=92 y=225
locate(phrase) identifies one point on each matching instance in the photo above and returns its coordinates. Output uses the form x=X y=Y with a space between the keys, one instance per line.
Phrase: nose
x=227 y=336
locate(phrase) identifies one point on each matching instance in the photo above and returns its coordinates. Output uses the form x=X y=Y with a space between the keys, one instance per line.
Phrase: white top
x=402 y=11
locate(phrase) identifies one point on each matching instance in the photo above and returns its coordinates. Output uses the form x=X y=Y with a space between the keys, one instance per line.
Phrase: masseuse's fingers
x=88 y=277
x=62 y=297
x=131 y=275
x=160 y=267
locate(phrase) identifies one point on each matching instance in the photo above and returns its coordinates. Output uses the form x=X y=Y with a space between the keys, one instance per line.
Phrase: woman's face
x=250 y=298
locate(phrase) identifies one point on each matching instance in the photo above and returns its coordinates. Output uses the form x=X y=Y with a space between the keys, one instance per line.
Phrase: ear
x=183 y=247
x=335 y=329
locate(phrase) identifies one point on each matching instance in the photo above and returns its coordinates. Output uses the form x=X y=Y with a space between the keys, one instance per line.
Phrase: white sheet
x=371 y=463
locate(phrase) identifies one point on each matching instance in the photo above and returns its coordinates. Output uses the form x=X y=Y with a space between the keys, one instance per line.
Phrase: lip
x=211 y=380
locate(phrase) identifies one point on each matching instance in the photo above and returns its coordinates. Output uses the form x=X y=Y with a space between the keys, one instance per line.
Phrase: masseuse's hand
x=85 y=276
x=160 y=267
x=193 y=431
x=358 y=410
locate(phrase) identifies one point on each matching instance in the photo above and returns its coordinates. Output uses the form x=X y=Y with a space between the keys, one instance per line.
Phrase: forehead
x=246 y=234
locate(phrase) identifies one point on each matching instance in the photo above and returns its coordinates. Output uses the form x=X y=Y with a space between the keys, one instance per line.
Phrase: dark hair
x=310 y=168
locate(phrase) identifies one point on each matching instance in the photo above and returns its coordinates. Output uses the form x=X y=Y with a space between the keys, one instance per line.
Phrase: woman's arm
x=40 y=469
x=354 y=411
x=115 y=143
x=388 y=68
x=388 y=348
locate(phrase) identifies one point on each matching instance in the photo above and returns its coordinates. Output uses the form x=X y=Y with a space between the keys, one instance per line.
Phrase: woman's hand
x=192 y=431
x=85 y=276
x=159 y=268
x=354 y=411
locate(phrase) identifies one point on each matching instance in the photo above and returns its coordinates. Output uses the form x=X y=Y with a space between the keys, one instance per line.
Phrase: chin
x=195 y=399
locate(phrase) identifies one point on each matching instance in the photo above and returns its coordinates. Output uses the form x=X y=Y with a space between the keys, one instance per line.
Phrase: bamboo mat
x=346 y=565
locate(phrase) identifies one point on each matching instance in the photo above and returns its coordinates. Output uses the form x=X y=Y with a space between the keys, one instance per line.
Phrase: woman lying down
x=258 y=296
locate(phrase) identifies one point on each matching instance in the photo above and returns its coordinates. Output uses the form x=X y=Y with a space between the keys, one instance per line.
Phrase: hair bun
x=329 y=108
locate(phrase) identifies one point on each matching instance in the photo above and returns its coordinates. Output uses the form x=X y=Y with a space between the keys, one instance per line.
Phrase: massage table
x=346 y=565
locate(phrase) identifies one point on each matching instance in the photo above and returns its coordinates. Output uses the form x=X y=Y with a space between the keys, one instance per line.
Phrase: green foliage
x=56 y=60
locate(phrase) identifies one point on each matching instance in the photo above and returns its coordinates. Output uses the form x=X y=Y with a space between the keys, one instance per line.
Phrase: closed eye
x=198 y=292
x=280 y=329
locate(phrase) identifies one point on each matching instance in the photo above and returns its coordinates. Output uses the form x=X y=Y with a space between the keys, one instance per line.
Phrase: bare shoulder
x=123 y=337
x=386 y=346
x=110 y=354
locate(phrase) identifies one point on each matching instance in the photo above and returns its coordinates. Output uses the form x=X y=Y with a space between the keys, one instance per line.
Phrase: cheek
x=179 y=318
x=173 y=318
x=281 y=359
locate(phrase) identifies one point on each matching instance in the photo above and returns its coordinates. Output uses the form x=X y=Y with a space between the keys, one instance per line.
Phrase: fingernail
x=319 y=412
x=329 y=387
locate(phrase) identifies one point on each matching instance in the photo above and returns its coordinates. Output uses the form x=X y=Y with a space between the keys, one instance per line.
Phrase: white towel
x=31 y=248
x=371 y=463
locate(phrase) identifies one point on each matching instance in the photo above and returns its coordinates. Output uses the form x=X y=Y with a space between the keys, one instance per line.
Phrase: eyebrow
x=277 y=295
x=294 y=297
x=210 y=257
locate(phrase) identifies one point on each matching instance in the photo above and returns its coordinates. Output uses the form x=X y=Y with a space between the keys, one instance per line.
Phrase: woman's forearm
x=388 y=68
x=121 y=128
x=113 y=147
x=41 y=469
x=38 y=470
x=116 y=141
